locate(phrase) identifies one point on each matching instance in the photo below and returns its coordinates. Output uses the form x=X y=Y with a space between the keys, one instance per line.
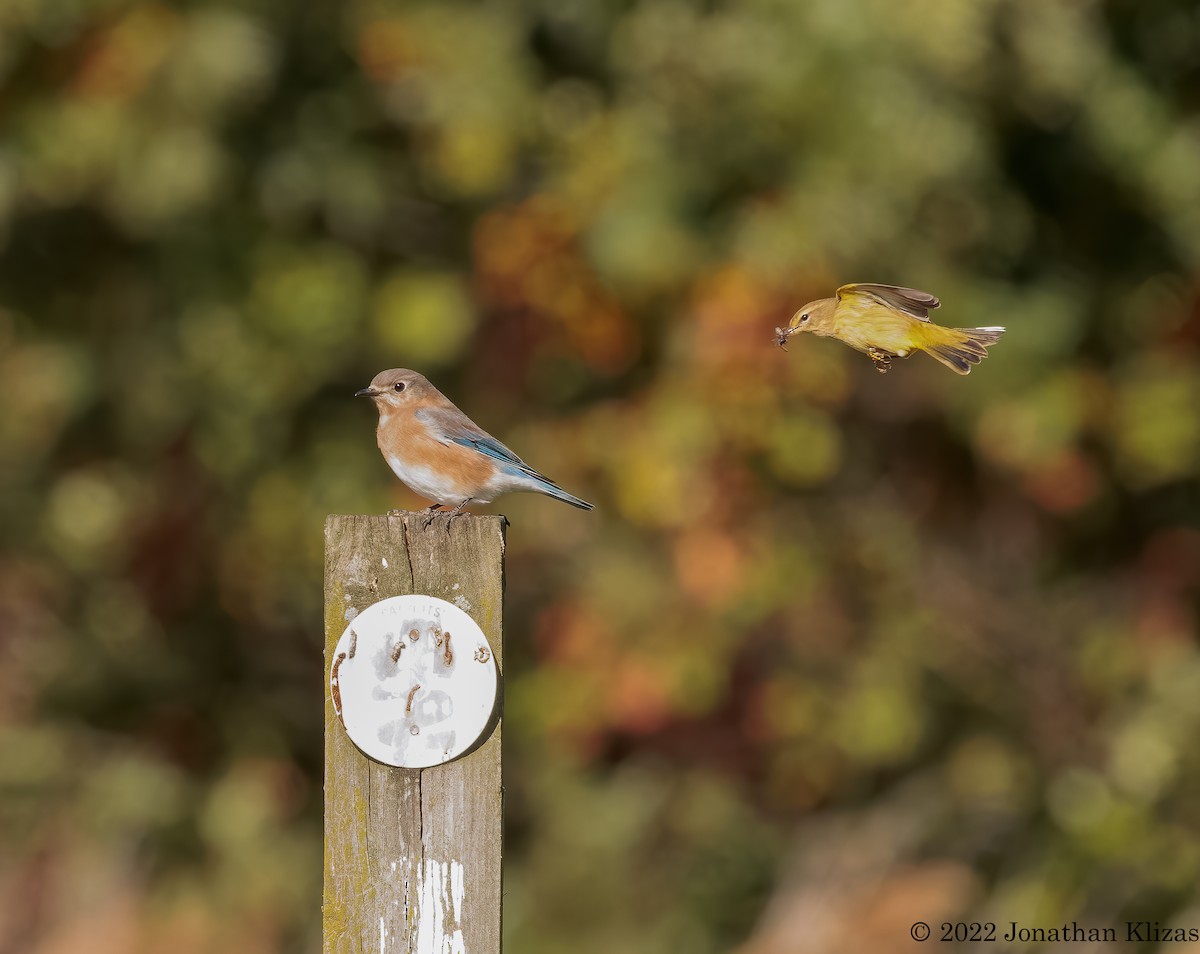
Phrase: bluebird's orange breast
x=443 y=472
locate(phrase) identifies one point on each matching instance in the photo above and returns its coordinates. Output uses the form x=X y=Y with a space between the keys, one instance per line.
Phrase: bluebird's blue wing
x=454 y=426
x=486 y=444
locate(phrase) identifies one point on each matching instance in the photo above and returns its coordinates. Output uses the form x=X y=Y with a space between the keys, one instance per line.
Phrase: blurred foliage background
x=836 y=652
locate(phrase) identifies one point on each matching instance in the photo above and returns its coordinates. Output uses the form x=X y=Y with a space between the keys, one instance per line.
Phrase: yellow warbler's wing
x=911 y=301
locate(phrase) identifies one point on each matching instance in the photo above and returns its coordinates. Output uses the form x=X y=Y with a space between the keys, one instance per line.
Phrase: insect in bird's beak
x=781 y=337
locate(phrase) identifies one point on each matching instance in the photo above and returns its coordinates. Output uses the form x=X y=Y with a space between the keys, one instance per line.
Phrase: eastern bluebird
x=439 y=452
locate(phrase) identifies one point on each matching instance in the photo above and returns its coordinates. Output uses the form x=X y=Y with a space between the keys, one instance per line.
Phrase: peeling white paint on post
x=442 y=892
x=412 y=856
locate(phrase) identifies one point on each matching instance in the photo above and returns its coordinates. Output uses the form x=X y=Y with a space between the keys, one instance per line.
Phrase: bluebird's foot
x=430 y=512
x=882 y=359
x=456 y=512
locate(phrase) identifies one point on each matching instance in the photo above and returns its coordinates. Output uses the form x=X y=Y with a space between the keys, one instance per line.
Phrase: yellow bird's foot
x=881 y=359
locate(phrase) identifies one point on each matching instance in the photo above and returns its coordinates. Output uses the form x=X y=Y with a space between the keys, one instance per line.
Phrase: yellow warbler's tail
x=959 y=348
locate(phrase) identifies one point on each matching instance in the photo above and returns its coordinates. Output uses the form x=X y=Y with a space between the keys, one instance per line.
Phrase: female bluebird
x=887 y=321
x=442 y=454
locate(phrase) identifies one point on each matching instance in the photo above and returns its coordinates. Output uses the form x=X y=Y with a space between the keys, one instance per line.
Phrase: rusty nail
x=447 y=656
x=397 y=650
x=411 y=692
x=336 y=690
x=353 y=644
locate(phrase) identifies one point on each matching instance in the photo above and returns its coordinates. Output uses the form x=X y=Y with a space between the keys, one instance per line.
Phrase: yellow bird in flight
x=890 y=321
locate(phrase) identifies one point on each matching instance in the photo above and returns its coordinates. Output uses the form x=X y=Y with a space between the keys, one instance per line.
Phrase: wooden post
x=412 y=856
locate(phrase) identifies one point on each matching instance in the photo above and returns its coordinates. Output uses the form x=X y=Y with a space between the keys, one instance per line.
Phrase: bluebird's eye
x=399 y=385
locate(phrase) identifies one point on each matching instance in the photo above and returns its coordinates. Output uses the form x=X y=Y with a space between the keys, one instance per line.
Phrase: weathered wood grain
x=412 y=856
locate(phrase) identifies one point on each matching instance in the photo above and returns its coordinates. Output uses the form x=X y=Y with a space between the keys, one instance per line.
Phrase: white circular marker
x=413 y=681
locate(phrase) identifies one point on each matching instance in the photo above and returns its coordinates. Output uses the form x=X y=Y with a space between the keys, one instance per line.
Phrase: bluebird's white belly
x=502 y=482
x=425 y=481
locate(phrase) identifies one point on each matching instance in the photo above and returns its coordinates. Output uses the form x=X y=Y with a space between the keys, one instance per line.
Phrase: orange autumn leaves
x=529 y=261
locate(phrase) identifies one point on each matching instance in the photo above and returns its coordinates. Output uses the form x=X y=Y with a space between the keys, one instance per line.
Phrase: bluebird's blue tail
x=544 y=485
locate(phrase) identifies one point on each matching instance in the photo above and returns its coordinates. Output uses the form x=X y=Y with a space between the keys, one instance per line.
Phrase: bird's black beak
x=366 y=392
